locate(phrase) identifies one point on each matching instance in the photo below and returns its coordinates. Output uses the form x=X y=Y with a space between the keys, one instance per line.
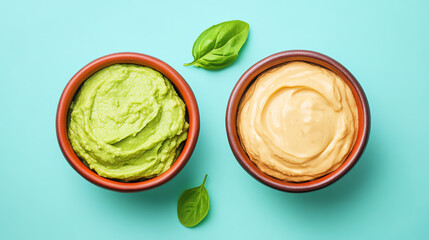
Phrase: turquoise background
x=383 y=43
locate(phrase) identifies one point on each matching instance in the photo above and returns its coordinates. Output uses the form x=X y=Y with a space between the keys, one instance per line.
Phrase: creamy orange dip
x=298 y=122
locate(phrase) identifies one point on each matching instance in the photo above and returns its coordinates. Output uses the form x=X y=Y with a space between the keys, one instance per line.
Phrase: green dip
x=127 y=122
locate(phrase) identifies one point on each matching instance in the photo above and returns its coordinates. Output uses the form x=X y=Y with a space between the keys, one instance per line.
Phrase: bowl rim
x=278 y=59
x=183 y=90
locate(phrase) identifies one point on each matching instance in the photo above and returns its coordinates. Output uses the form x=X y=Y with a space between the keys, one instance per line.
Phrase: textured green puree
x=127 y=122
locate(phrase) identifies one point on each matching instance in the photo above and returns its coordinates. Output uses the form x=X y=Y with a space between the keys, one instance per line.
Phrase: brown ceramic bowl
x=183 y=90
x=272 y=61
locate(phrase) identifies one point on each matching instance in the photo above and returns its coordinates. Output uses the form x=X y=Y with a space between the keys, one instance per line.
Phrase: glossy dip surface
x=298 y=121
x=127 y=122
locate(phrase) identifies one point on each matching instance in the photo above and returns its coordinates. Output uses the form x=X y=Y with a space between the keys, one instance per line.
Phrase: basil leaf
x=218 y=46
x=193 y=205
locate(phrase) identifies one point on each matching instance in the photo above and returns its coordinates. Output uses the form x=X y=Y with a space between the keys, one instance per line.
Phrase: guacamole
x=127 y=123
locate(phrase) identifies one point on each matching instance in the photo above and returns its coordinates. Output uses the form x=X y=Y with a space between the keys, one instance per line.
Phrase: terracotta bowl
x=183 y=90
x=272 y=61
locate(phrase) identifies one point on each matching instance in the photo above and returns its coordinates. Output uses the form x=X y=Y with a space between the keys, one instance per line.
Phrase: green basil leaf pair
x=193 y=205
x=215 y=48
x=218 y=46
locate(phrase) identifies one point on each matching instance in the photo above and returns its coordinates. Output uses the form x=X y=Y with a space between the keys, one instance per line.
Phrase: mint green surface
x=384 y=44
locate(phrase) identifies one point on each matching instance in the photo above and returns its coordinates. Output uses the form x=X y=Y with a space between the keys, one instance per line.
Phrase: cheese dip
x=298 y=122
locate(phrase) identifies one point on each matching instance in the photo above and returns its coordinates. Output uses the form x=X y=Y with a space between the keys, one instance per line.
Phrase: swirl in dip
x=127 y=123
x=298 y=122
